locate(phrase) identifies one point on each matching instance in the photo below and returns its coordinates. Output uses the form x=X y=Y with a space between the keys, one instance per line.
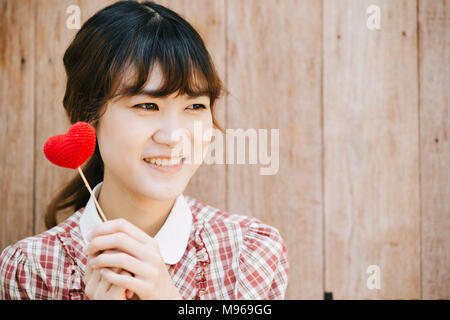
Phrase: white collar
x=172 y=238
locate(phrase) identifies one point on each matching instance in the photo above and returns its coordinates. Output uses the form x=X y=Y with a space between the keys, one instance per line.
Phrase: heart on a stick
x=72 y=149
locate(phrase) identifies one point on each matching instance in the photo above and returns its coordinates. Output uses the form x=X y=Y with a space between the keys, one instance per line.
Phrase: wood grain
x=371 y=150
x=274 y=77
x=16 y=119
x=434 y=53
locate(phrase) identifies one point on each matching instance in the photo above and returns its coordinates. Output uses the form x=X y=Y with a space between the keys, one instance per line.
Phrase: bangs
x=185 y=64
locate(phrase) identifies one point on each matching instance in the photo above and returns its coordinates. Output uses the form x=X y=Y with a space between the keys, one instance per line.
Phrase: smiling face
x=133 y=128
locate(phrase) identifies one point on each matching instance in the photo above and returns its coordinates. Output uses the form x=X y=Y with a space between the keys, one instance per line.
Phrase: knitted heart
x=72 y=149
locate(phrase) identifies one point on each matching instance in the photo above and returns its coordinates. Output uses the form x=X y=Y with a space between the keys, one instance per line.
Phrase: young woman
x=141 y=75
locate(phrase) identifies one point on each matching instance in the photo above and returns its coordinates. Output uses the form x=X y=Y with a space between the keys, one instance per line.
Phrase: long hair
x=125 y=36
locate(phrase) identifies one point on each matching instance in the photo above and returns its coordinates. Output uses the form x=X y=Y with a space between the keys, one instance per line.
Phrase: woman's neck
x=147 y=214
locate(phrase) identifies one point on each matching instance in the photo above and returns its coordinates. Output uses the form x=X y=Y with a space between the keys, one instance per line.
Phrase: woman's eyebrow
x=154 y=94
x=147 y=92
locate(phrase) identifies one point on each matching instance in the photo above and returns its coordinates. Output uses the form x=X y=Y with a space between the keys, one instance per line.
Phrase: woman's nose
x=170 y=134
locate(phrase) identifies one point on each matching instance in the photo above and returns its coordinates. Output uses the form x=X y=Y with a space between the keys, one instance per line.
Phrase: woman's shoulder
x=34 y=267
x=43 y=250
x=247 y=229
x=248 y=250
x=33 y=246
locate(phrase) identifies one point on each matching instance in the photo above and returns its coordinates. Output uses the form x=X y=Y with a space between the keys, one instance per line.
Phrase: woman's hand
x=98 y=288
x=137 y=253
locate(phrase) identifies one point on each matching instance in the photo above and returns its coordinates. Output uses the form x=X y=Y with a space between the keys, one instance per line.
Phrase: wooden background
x=364 y=131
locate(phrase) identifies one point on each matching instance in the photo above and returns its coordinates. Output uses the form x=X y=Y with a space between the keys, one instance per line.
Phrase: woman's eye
x=197 y=107
x=152 y=106
x=147 y=106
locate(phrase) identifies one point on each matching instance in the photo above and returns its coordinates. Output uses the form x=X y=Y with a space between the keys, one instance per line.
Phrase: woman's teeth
x=164 y=162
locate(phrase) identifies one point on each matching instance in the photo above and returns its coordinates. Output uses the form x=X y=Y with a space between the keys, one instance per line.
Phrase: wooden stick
x=129 y=293
x=92 y=194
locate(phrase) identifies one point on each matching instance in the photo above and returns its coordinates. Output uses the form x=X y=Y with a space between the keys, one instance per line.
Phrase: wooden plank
x=274 y=77
x=371 y=150
x=208 y=18
x=52 y=39
x=434 y=40
x=16 y=119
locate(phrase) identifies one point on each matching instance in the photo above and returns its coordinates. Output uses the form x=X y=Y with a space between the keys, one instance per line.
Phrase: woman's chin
x=161 y=192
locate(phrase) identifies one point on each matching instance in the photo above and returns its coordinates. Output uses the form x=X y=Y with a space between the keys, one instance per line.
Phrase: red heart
x=72 y=149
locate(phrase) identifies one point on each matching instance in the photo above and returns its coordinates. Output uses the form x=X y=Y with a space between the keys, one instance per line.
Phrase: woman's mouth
x=165 y=165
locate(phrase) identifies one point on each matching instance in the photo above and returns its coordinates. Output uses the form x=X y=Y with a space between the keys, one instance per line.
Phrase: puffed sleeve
x=263 y=264
x=19 y=278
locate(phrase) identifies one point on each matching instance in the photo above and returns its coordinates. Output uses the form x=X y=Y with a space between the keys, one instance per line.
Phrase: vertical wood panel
x=434 y=37
x=371 y=150
x=16 y=119
x=52 y=37
x=274 y=77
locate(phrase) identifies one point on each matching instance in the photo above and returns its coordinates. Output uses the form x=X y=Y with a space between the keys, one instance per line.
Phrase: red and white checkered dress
x=228 y=256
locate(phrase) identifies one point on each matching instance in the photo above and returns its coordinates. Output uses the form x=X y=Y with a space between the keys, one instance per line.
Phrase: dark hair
x=125 y=36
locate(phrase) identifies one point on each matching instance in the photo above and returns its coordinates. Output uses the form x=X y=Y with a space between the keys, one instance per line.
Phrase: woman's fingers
x=120 y=241
x=128 y=293
x=122 y=280
x=93 y=278
x=120 y=225
x=118 y=291
x=122 y=261
x=98 y=288
x=102 y=289
x=88 y=273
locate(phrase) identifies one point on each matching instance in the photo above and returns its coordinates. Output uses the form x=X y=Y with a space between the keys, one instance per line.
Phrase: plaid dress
x=228 y=256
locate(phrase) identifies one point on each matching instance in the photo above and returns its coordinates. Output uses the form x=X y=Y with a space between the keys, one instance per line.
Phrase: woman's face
x=138 y=127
